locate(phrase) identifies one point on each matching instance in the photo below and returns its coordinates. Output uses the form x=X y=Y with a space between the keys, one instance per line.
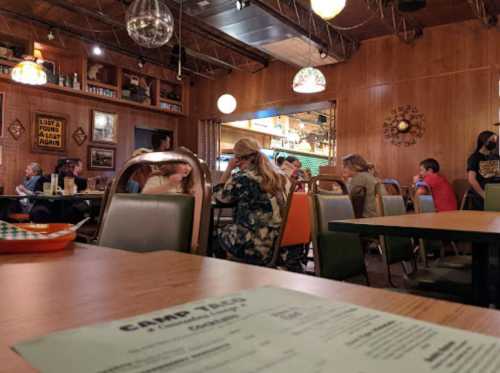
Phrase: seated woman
x=259 y=193
x=173 y=177
x=356 y=170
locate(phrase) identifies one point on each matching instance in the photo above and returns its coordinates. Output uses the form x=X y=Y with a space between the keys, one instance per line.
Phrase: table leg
x=480 y=273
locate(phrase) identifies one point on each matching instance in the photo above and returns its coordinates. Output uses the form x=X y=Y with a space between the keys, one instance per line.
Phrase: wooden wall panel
x=450 y=75
x=22 y=101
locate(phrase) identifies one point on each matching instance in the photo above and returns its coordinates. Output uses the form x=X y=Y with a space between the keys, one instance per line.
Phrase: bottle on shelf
x=61 y=80
x=76 y=82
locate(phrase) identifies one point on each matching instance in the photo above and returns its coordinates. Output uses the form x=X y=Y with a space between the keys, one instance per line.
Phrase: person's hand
x=233 y=163
x=416 y=179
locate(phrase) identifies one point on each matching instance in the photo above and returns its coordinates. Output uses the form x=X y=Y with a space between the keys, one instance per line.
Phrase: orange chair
x=298 y=225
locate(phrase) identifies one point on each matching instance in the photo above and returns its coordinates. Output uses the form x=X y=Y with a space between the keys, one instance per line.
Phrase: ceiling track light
x=322 y=54
x=241 y=4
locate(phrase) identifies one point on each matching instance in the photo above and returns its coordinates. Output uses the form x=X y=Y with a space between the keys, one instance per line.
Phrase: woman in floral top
x=259 y=192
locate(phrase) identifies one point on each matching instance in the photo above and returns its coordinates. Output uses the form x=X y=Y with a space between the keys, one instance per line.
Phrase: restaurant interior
x=249 y=186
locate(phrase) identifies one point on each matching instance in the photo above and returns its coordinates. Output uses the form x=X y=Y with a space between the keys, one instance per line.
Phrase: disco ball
x=149 y=23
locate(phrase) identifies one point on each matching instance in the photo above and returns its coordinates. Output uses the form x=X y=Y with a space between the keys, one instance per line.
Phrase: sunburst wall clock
x=404 y=126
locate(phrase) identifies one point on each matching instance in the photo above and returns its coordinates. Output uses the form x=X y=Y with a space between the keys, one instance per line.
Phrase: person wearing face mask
x=259 y=192
x=483 y=167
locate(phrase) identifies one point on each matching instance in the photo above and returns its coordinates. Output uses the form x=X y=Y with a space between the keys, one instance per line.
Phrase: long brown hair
x=273 y=182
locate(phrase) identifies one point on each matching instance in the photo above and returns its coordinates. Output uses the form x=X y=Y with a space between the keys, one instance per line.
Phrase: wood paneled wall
x=450 y=75
x=22 y=101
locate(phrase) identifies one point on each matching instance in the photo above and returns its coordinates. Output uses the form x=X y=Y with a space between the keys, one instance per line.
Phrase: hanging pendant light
x=29 y=72
x=150 y=23
x=309 y=80
x=226 y=104
x=327 y=9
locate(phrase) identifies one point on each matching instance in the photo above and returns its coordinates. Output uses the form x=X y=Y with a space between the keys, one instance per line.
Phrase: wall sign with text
x=49 y=132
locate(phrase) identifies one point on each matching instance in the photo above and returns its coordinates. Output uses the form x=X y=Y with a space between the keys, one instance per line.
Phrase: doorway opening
x=145 y=138
x=307 y=135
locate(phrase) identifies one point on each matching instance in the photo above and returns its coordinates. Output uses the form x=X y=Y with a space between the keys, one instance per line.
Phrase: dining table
x=481 y=228
x=85 y=284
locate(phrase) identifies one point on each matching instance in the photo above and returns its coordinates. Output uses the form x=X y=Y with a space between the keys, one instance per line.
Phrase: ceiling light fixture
x=327 y=9
x=240 y=4
x=29 y=72
x=309 y=79
x=150 y=23
x=226 y=103
x=322 y=54
x=97 y=50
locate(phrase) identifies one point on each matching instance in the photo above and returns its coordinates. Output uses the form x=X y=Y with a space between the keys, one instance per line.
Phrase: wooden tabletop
x=456 y=225
x=41 y=294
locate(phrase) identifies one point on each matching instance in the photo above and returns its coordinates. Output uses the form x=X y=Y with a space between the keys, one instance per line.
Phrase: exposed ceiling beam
x=403 y=26
x=74 y=34
x=482 y=10
x=293 y=14
x=107 y=20
x=198 y=27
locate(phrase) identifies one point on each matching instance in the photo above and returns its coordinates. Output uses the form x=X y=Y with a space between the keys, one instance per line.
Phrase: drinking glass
x=47 y=189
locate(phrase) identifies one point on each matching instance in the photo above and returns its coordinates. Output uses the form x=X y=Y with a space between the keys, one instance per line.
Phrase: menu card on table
x=264 y=330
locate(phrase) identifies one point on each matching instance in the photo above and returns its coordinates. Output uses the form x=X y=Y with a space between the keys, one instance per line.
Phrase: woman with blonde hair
x=259 y=192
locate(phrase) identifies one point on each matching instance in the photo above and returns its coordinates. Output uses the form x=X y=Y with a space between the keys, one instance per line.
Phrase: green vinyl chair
x=337 y=255
x=445 y=283
x=170 y=221
x=425 y=204
x=492 y=199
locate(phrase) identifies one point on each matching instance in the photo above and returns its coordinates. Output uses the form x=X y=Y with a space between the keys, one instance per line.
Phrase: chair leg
x=389 y=276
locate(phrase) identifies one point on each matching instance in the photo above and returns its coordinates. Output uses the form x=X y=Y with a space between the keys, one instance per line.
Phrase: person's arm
x=471 y=177
x=233 y=163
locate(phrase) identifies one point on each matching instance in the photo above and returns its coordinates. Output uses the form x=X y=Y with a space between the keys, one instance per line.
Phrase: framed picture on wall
x=2 y=104
x=101 y=159
x=104 y=127
x=49 y=132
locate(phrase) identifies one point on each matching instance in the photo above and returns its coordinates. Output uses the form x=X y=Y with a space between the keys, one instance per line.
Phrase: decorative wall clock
x=16 y=129
x=404 y=126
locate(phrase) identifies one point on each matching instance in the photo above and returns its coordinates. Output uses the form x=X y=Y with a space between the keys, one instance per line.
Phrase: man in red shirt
x=430 y=180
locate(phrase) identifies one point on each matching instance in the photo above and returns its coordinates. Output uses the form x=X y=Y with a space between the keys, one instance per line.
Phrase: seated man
x=431 y=181
x=33 y=173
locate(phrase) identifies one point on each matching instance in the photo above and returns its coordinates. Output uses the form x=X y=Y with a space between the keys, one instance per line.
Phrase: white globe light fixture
x=327 y=9
x=226 y=104
x=149 y=23
x=29 y=72
x=309 y=80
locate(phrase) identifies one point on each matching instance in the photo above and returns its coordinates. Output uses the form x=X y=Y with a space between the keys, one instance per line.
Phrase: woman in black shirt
x=483 y=167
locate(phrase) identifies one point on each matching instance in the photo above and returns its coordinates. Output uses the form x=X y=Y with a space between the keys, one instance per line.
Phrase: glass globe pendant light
x=309 y=80
x=226 y=103
x=29 y=72
x=149 y=23
x=327 y=9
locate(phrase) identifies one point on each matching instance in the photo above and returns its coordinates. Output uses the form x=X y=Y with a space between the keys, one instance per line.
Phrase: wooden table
x=480 y=227
x=41 y=294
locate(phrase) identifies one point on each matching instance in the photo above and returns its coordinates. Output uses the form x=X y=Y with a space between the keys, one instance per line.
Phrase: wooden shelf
x=80 y=93
x=8 y=62
x=170 y=101
x=101 y=85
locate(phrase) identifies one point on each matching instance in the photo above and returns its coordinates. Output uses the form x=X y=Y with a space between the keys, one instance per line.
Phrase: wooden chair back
x=328 y=184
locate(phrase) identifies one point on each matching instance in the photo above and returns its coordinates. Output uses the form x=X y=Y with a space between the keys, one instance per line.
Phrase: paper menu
x=264 y=330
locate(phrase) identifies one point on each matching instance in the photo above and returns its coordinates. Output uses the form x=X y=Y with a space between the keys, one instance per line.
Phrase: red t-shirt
x=442 y=192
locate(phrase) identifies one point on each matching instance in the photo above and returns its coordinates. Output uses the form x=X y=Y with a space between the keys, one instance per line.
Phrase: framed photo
x=104 y=127
x=101 y=159
x=49 y=132
x=2 y=105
